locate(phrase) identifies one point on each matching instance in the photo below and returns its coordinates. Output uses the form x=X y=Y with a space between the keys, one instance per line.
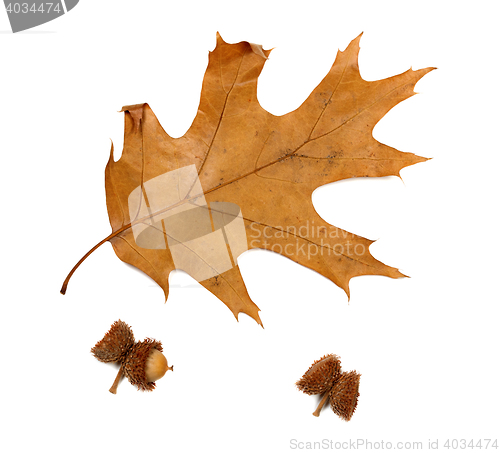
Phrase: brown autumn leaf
x=265 y=166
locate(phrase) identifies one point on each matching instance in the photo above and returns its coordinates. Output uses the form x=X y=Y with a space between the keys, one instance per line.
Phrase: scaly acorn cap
x=116 y=343
x=344 y=395
x=134 y=366
x=320 y=376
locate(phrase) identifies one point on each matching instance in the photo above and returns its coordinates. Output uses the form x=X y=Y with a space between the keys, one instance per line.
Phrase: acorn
x=145 y=364
x=325 y=377
x=142 y=363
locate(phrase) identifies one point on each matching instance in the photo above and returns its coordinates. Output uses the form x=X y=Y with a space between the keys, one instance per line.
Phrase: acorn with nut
x=141 y=362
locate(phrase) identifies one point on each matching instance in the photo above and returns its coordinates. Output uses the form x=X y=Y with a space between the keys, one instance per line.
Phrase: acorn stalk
x=118 y=378
x=321 y=404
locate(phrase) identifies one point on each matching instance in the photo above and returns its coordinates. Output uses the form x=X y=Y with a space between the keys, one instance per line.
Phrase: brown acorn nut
x=142 y=363
x=145 y=364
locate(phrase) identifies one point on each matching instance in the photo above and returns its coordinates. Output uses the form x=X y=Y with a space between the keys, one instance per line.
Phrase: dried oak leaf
x=267 y=165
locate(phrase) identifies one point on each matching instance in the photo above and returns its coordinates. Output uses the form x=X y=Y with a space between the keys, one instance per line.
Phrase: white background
x=426 y=346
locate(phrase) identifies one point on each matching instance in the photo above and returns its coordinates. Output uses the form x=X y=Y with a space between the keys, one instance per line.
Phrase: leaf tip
x=259 y=50
x=136 y=111
x=424 y=71
x=411 y=159
x=352 y=48
x=396 y=273
x=356 y=40
x=420 y=159
x=257 y=319
x=111 y=152
x=252 y=314
x=420 y=73
x=219 y=39
x=347 y=292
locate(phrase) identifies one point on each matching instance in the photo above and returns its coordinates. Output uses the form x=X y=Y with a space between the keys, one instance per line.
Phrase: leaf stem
x=84 y=257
